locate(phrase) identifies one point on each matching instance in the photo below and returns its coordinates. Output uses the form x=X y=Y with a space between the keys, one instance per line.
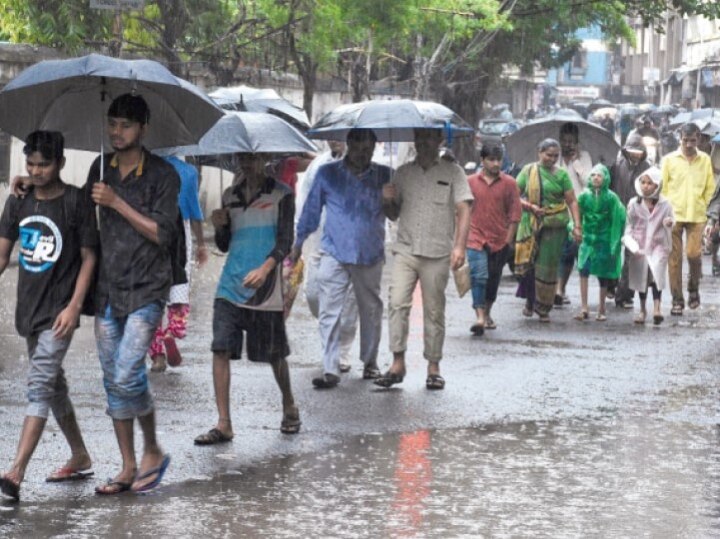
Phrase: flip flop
x=158 y=472
x=389 y=379
x=112 y=487
x=490 y=324
x=658 y=319
x=68 y=473
x=212 y=437
x=582 y=316
x=640 y=318
x=435 y=381
x=291 y=423
x=677 y=309
x=10 y=488
x=601 y=318
x=477 y=330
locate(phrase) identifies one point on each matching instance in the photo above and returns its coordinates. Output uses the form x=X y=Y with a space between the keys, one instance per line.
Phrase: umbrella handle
x=448 y=133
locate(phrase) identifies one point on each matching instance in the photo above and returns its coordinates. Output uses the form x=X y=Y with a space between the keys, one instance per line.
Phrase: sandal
x=544 y=317
x=640 y=318
x=212 y=437
x=490 y=324
x=601 y=317
x=694 y=300
x=389 y=379
x=527 y=312
x=112 y=487
x=658 y=319
x=477 y=329
x=10 y=488
x=157 y=471
x=68 y=473
x=582 y=316
x=435 y=381
x=677 y=309
x=291 y=422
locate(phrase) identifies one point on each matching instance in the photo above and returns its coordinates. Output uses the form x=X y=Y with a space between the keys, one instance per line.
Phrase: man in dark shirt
x=56 y=229
x=138 y=219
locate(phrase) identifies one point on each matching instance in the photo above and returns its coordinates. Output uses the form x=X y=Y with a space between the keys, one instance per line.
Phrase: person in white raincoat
x=648 y=238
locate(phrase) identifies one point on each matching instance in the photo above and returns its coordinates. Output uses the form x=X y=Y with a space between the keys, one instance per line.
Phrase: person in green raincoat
x=603 y=222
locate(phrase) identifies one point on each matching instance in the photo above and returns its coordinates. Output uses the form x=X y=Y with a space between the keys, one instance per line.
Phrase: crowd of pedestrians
x=120 y=250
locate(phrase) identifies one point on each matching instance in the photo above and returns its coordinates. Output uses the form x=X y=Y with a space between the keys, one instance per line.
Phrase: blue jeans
x=478 y=262
x=122 y=344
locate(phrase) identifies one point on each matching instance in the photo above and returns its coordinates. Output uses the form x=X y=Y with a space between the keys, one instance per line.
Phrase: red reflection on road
x=413 y=475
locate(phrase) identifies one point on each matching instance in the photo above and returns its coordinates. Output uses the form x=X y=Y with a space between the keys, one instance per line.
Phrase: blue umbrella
x=392 y=120
x=716 y=139
x=72 y=96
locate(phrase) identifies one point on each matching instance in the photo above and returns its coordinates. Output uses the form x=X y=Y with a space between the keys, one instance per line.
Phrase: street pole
x=116 y=42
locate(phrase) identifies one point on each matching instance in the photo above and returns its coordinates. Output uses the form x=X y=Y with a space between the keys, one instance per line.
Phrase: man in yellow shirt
x=688 y=183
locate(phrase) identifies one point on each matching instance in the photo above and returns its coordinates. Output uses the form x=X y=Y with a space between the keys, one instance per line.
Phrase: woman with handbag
x=546 y=196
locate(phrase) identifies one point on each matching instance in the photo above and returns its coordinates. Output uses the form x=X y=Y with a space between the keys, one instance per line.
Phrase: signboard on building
x=117 y=4
x=578 y=92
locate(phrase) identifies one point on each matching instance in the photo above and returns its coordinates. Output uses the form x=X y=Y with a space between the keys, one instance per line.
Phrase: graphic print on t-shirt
x=40 y=243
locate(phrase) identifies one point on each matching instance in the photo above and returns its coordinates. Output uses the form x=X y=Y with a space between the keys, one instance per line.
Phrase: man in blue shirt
x=352 y=249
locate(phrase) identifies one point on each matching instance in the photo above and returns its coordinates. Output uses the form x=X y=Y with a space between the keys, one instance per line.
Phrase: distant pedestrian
x=577 y=163
x=349 y=190
x=631 y=162
x=494 y=218
x=58 y=241
x=648 y=242
x=600 y=253
x=688 y=183
x=430 y=198
x=163 y=349
x=255 y=227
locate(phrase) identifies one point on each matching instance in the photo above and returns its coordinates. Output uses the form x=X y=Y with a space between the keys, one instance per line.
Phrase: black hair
x=357 y=134
x=50 y=144
x=547 y=144
x=689 y=128
x=492 y=150
x=132 y=107
x=569 y=128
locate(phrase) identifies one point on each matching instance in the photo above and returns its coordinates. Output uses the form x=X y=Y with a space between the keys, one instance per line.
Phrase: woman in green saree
x=546 y=196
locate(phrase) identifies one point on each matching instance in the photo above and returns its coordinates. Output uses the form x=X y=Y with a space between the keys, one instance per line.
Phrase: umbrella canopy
x=630 y=110
x=697 y=114
x=708 y=126
x=599 y=104
x=666 y=109
x=72 y=96
x=605 y=111
x=716 y=139
x=249 y=99
x=247 y=132
x=391 y=120
x=522 y=145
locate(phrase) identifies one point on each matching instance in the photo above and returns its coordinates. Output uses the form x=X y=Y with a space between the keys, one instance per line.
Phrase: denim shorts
x=265 y=331
x=122 y=345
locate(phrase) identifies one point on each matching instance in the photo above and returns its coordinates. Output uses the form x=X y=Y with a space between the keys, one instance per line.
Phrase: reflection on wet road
x=614 y=477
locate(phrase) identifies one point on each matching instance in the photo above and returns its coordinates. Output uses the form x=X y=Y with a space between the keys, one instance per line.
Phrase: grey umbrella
x=392 y=120
x=245 y=132
x=72 y=96
x=249 y=99
x=697 y=114
x=522 y=145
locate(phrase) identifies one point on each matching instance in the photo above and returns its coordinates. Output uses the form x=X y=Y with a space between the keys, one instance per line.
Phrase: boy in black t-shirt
x=58 y=237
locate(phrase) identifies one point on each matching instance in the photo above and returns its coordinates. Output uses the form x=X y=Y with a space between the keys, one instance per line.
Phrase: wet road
x=563 y=430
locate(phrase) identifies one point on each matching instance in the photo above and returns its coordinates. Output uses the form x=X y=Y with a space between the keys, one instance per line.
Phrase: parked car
x=493 y=130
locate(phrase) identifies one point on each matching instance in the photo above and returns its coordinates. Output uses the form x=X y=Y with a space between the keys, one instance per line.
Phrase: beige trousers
x=693 y=251
x=432 y=273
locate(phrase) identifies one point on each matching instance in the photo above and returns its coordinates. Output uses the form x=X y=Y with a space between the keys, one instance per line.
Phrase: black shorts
x=266 y=338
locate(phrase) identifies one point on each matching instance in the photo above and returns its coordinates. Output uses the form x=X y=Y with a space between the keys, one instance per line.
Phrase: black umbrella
x=248 y=99
x=72 y=96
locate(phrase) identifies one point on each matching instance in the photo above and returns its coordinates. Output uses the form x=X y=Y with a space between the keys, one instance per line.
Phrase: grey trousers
x=349 y=314
x=334 y=280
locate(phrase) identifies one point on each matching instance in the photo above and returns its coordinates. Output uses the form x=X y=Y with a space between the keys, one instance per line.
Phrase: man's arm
x=67 y=320
x=104 y=195
x=6 y=246
x=256 y=278
x=391 y=201
x=310 y=216
x=462 y=228
x=197 y=231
